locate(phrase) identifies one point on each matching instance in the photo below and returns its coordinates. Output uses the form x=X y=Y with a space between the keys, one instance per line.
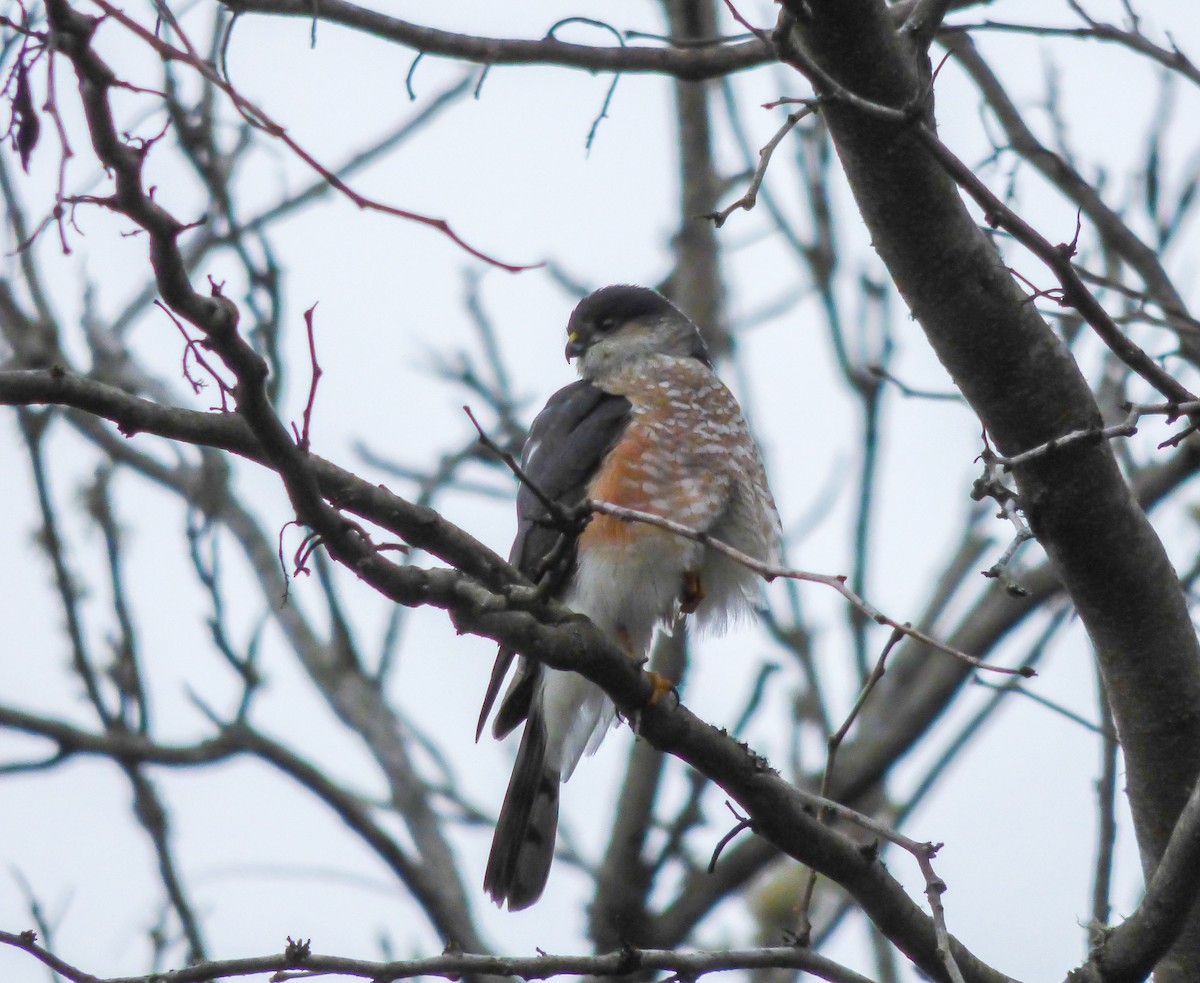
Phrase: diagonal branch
x=1132 y=949
x=771 y=571
x=257 y=118
x=1027 y=389
x=1111 y=228
x=1074 y=293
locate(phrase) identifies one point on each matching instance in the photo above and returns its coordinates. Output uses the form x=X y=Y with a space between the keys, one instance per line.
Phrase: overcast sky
x=510 y=171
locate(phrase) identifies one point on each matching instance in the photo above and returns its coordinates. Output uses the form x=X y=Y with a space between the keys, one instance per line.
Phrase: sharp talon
x=692 y=593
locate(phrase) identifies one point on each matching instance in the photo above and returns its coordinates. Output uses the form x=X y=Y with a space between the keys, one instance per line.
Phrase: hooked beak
x=574 y=346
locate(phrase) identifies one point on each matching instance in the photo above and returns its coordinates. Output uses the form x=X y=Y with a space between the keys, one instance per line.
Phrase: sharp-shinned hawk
x=650 y=427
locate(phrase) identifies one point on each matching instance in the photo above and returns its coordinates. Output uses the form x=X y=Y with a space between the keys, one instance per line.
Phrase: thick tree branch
x=556 y=636
x=1128 y=953
x=781 y=812
x=689 y=62
x=417 y=525
x=484 y=595
x=1027 y=390
x=695 y=282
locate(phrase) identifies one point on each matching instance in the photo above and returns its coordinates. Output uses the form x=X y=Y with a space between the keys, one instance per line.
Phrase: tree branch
x=1130 y=951
x=690 y=63
x=1026 y=389
x=301 y=963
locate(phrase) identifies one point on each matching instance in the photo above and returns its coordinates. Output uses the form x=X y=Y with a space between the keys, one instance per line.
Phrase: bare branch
x=1108 y=224
x=771 y=571
x=1126 y=428
x=925 y=21
x=1172 y=57
x=1131 y=949
x=300 y=962
x=260 y=120
x=1058 y=258
x=747 y=201
x=683 y=62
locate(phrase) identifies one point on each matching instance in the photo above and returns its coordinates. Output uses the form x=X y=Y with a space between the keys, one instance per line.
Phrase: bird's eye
x=606 y=325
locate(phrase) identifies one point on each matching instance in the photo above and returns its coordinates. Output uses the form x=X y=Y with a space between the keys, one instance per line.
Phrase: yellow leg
x=660 y=686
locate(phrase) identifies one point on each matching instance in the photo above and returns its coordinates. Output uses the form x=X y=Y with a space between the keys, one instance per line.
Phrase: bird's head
x=620 y=324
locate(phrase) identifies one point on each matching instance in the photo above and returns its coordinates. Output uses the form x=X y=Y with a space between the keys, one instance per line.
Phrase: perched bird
x=650 y=427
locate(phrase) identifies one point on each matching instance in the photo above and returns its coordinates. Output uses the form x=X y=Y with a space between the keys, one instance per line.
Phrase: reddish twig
x=50 y=106
x=758 y=32
x=261 y=121
x=1053 y=293
x=302 y=438
x=304 y=552
x=192 y=347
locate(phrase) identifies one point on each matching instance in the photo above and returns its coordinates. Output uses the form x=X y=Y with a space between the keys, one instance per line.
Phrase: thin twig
x=1106 y=823
x=748 y=200
x=1057 y=257
x=557 y=512
x=612 y=87
x=261 y=121
x=1126 y=428
x=771 y=572
x=299 y=961
x=833 y=743
x=991 y=485
x=304 y=437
